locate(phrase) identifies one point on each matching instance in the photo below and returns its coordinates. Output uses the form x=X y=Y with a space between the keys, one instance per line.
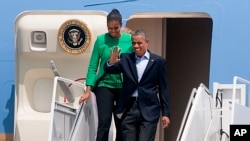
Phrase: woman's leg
x=116 y=119
x=105 y=101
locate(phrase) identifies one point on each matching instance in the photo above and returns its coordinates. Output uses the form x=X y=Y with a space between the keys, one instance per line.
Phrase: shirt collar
x=146 y=55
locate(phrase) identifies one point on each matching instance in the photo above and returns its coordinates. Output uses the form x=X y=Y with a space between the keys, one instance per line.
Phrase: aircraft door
x=184 y=39
x=67 y=39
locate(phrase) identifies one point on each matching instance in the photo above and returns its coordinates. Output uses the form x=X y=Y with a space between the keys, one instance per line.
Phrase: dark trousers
x=106 y=98
x=134 y=127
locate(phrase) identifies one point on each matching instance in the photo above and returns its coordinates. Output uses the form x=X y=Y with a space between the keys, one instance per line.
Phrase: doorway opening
x=184 y=39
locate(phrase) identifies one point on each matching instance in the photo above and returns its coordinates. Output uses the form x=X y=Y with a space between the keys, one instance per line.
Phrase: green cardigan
x=101 y=54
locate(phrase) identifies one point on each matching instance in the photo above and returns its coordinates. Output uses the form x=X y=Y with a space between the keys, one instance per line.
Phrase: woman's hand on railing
x=85 y=97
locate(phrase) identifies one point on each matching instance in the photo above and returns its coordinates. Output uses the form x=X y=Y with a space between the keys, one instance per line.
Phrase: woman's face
x=114 y=27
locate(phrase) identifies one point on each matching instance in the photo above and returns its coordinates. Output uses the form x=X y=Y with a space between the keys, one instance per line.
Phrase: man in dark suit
x=145 y=91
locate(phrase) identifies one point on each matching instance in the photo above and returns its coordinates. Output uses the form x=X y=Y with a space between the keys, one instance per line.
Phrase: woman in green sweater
x=106 y=86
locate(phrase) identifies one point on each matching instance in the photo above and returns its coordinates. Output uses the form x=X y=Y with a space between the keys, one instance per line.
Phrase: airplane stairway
x=208 y=116
x=69 y=122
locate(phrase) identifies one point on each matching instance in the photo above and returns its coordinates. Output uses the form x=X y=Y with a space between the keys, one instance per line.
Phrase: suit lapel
x=133 y=67
x=151 y=61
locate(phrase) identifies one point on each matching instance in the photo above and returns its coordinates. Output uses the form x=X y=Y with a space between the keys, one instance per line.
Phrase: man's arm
x=164 y=95
x=163 y=88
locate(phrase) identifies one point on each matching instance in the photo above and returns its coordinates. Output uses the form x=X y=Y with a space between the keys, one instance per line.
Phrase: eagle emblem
x=74 y=36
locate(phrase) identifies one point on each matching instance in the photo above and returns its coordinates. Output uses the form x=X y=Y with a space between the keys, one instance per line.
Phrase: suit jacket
x=153 y=81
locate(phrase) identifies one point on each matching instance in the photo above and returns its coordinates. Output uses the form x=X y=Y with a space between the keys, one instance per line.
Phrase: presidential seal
x=74 y=36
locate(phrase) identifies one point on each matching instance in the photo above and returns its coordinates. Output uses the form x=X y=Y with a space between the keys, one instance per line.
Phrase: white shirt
x=141 y=63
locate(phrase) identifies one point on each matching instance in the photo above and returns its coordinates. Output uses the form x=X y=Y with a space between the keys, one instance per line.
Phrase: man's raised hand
x=114 y=55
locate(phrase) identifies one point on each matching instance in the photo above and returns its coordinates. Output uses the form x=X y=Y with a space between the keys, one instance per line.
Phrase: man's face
x=140 y=45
